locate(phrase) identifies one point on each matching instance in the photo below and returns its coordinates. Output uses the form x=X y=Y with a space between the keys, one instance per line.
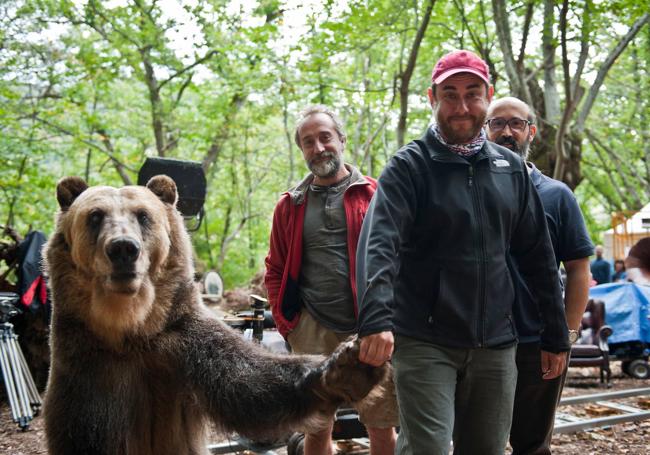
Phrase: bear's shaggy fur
x=138 y=363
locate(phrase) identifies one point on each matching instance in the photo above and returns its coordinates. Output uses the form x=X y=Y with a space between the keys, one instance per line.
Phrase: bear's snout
x=123 y=252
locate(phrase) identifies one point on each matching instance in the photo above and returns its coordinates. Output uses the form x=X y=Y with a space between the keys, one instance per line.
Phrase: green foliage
x=617 y=156
x=92 y=88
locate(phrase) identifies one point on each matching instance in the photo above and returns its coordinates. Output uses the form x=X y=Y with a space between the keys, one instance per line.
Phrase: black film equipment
x=190 y=182
x=258 y=304
x=23 y=396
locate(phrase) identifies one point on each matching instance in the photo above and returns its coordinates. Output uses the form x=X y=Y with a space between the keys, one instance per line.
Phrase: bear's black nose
x=123 y=251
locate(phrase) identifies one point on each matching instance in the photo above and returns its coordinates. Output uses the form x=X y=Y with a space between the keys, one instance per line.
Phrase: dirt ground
x=627 y=438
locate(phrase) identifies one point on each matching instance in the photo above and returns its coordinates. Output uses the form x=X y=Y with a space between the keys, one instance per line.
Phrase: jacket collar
x=439 y=152
x=536 y=175
x=298 y=193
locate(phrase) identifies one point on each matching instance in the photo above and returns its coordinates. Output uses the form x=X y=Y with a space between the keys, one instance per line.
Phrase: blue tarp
x=627 y=307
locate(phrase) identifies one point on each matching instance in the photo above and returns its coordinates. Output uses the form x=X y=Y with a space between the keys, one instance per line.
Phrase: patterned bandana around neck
x=465 y=150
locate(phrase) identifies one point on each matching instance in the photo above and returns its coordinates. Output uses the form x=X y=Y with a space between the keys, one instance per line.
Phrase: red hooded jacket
x=285 y=248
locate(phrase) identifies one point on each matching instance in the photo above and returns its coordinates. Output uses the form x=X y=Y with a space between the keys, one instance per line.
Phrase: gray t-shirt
x=325 y=274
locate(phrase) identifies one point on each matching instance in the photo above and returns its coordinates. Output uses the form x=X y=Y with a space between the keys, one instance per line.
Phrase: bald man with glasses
x=506 y=128
x=511 y=123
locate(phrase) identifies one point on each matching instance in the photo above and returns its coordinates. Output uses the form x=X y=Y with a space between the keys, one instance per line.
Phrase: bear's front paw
x=348 y=379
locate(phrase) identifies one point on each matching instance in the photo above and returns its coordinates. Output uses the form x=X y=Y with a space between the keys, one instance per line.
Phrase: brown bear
x=139 y=366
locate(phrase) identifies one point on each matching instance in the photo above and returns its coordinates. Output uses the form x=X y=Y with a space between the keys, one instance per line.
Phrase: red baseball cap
x=461 y=61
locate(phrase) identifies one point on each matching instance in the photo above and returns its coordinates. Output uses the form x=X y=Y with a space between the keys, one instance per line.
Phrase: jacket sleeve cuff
x=555 y=348
x=370 y=330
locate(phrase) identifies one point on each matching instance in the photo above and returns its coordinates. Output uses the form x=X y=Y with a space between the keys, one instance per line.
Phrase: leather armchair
x=592 y=350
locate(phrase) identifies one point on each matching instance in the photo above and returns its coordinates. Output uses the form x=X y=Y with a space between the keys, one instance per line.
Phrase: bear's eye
x=143 y=218
x=95 y=218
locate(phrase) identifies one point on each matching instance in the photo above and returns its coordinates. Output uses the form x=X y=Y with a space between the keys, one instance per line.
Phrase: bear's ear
x=68 y=189
x=165 y=188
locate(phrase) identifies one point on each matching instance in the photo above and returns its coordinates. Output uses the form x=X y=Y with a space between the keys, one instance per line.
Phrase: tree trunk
x=405 y=77
x=156 y=103
x=518 y=85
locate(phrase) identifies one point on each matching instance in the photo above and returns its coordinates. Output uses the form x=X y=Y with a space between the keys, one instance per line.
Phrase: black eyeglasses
x=515 y=123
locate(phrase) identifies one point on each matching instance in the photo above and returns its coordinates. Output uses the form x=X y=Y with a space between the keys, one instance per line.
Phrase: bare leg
x=382 y=441
x=319 y=443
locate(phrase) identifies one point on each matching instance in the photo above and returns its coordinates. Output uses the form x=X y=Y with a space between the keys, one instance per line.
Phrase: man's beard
x=521 y=150
x=325 y=165
x=452 y=136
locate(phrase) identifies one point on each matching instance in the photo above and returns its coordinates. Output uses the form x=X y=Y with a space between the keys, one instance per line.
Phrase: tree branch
x=584 y=45
x=551 y=96
x=405 y=77
x=565 y=53
x=230 y=237
x=154 y=98
x=530 y=7
x=604 y=69
x=217 y=141
x=182 y=71
x=620 y=165
x=610 y=175
x=460 y=7
x=101 y=31
x=357 y=90
x=561 y=155
x=179 y=95
x=119 y=167
x=84 y=141
x=516 y=78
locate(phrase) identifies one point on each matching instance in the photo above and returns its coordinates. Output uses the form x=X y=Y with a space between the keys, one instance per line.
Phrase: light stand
x=23 y=396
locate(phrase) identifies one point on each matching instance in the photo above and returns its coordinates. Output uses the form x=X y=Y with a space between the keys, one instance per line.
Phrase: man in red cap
x=433 y=280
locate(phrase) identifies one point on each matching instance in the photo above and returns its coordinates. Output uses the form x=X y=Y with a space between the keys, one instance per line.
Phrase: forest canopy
x=92 y=88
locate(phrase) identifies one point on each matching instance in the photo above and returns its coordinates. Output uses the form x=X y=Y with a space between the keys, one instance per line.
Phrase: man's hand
x=553 y=365
x=377 y=348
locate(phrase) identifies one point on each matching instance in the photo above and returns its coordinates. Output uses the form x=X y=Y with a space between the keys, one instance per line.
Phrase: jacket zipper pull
x=470 y=175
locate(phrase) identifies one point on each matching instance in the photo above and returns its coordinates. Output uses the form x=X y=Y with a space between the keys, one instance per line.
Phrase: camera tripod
x=23 y=396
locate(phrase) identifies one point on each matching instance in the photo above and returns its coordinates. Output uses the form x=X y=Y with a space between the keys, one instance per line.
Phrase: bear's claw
x=346 y=378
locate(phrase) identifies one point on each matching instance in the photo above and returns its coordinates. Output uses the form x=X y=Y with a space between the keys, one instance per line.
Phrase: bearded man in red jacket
x=310 y=268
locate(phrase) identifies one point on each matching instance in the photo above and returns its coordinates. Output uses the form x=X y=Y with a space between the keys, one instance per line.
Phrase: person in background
x=619 y=271
x=511 y=123
x=310 y=268
x=601 y=269
x=433 y=278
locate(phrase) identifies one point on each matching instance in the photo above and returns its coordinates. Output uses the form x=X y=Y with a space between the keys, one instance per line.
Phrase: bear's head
x=118 y=255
